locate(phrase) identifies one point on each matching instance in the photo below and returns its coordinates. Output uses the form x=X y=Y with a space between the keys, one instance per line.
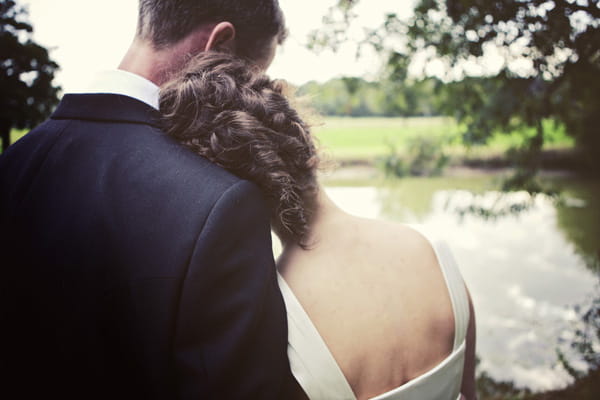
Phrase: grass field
x=16 y=134
x=345 y=138
x=368 y=138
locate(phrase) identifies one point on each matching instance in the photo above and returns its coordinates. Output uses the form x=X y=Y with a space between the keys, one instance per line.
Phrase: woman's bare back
x=377 y=296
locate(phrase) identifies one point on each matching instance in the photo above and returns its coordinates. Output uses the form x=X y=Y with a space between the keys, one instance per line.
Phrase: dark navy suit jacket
x=131 y=267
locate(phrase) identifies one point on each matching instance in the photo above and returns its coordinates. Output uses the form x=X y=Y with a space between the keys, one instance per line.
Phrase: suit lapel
x=106 y=107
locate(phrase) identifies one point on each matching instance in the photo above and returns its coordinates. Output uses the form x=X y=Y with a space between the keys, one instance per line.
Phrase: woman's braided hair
x=229 y=112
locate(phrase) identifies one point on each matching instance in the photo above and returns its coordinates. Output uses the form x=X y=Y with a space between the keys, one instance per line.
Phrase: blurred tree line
x=27 y=94
x=547 y=56
x=356 y=97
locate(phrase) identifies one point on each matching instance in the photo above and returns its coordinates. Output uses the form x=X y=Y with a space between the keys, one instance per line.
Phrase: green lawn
x=347 y=138
x=360 y=138
x=16 y=134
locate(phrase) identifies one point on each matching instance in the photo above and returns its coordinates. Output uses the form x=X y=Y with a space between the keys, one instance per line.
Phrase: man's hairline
x=145 y=35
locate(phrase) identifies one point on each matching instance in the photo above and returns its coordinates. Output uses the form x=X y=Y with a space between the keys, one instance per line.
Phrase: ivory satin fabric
x=317 y=372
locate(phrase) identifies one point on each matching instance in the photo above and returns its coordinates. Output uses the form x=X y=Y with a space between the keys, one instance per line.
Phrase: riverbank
x=554 y=163
x=421 y=145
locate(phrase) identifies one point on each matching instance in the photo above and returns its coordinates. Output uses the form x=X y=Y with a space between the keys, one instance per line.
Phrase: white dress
x=321 y=378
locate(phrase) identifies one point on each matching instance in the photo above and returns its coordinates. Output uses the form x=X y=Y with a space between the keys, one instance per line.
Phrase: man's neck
x=143 y=60
x=157 y=65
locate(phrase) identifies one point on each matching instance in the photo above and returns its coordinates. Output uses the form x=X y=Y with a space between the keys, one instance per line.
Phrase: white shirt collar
x=124 y=83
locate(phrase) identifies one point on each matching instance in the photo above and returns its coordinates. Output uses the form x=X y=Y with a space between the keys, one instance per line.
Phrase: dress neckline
x=306 y=340
x=332 y=372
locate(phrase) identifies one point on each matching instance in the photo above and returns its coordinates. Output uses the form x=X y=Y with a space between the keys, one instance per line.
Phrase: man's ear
x=222 y=37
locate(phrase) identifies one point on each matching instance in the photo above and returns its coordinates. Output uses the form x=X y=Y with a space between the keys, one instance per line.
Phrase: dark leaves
x=27 y=95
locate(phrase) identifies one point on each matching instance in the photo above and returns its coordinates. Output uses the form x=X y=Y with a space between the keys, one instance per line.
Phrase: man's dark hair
x=164 y=22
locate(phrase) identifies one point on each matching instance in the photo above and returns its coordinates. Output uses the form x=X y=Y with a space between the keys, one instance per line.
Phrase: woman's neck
x=324 y=213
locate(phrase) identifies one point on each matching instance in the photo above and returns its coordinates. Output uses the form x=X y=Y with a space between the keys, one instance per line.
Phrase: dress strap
x=311 y=362
x=456 y=289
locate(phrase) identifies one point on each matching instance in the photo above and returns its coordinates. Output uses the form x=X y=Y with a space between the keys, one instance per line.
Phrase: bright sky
x=89 y=36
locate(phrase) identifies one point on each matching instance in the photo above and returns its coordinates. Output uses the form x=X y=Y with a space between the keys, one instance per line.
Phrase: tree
x=549 y=69
x=27 y=95
x=343 y=96
x=352 y=96
x=558 y=42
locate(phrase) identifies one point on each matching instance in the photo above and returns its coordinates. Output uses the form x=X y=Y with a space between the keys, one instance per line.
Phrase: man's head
x=248 y=28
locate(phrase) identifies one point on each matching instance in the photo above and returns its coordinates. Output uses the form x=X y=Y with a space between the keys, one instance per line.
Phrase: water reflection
x=584 y=340
x=525 y=275
x=490 y=205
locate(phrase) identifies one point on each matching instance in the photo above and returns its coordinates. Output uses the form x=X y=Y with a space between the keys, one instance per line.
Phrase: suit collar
x=106 y=107
x=126 y=83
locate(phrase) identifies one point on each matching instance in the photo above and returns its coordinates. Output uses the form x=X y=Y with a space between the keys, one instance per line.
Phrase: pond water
x=528 y=262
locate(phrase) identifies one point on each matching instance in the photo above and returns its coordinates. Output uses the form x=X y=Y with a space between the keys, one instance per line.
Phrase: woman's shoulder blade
x=392 y=241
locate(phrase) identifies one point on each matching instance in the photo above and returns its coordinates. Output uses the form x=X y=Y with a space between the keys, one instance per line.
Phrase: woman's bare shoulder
x=369 y=273
x=399 y=241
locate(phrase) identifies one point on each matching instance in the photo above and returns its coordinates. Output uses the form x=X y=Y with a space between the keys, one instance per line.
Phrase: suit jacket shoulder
x=111 y=230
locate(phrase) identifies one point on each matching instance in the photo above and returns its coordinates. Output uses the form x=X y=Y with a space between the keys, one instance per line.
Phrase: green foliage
x=27 y=95
x=551 y=33
x=555 y=135
x=561 y=41
x=346 y=96
x=427 y=156
x=550 y=64
x=578 y=217
x=336 y=23
x=423 y=156
x=394 y=164
x=584 y=389
x=585 y=341
x=351 y=96
x=490 y=389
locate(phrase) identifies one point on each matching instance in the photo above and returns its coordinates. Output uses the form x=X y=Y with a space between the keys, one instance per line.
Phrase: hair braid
x=226 y=110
